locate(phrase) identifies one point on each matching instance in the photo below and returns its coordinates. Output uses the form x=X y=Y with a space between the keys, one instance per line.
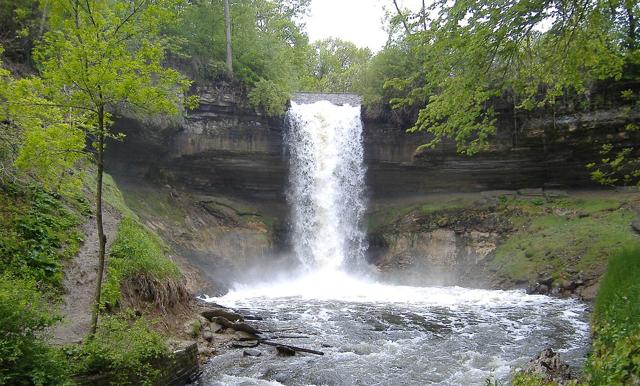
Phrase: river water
x=373 y=333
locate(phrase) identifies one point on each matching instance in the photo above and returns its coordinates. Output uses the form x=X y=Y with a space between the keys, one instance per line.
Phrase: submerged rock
x=251 y=353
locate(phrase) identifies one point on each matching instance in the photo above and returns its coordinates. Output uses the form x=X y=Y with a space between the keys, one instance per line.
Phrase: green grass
x=615 y=356
x=136 y=250
x=578 y=234
x=154 y=202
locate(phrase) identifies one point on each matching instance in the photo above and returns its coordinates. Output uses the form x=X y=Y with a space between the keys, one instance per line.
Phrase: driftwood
x=235 y=326
x=294 y=348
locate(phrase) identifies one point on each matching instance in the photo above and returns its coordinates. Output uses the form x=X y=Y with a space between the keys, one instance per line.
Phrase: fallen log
x=295 y=348
x=235 y=326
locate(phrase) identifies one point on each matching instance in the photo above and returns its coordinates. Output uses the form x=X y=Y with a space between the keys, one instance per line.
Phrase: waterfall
x=326 y=191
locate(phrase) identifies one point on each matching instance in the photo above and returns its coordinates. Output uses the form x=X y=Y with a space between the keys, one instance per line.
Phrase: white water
x=374 y=333
x=327 y=184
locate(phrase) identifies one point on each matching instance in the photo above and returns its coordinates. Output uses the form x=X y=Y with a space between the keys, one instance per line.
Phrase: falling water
x=326 y=184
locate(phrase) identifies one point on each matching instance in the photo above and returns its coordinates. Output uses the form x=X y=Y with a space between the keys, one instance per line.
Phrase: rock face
x=441 y=247
x=225 y=149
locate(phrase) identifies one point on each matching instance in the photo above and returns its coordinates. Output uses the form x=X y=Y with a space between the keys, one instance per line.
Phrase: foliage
x=124 y=349
x=25 y=358
x=270 y=97
x=335 y=65
x=615 y=356
x=530 y=52
x=136 y=250
x=38 y=231
x=20 y=24
x=39 y=138
x=268 y=45
x=108 y=54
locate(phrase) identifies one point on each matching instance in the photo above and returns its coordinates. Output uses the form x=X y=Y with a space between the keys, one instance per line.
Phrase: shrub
x=615 y=356
x=25 y=358
x=123 y=350
x=270 y=97
x=135 y=251
x=38 y=231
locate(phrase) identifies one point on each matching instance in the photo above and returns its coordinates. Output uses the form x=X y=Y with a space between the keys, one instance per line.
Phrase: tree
x=335 y=65
x=227 y=29
x=103 y=56
x=533 y=51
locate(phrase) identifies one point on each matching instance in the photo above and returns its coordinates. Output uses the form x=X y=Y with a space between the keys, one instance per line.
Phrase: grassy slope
x=573 y=234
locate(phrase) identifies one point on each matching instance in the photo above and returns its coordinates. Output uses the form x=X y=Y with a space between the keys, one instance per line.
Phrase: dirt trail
x=80 y=281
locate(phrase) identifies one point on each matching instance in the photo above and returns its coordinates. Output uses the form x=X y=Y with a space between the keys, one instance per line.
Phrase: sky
x=359 y=21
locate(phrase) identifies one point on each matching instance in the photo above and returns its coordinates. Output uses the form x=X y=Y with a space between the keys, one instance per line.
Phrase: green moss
x=155 y=203
x=580 y=234
x=136 y=250
x=615 y=356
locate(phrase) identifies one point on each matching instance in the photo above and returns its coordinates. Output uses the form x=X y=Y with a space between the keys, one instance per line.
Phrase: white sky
x=359 y=21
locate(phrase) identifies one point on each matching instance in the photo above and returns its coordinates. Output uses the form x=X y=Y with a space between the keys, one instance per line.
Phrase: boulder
x=549 y=366
x=251 y=353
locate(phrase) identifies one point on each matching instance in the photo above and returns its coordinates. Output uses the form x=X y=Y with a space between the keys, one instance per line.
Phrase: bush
x=270 y=97
x=123 y=350
x=25 y=358
x=135 y=251
x=615 y=356
x=38 y=231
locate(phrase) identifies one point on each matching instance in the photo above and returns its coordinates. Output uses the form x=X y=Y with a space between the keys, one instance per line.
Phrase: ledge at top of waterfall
x=334 y=98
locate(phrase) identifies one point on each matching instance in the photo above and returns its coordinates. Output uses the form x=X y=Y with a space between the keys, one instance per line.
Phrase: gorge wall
x=225 y=150
x=225 y=146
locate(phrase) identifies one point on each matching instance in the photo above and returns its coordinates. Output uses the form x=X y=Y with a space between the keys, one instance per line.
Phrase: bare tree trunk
x=102 y=239
x=404 y=20
x=227 y=23
x=424 y=16
x=631 y=33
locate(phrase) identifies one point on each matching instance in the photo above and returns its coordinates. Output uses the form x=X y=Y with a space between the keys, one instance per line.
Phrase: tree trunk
x=631 y=33
x=102 y=240
x=404 y=20
x=227 y=24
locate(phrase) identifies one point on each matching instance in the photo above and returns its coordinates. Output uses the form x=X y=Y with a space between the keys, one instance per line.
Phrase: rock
x=535 y=192
x=550 y=366
x=251 y=353
x=569 y=285
x=215 y=328
x=555 y=193
x=546 y=280
x=207 y=335
x=555 y=291
x=635 y=225
x=229 y=315
x=285 y=351
x=205 y=351
x=543 y=289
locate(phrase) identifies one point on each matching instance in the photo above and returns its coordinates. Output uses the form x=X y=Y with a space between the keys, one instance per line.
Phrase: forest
x=72 y=70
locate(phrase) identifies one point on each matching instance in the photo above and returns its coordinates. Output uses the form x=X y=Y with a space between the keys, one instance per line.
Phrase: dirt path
x=80 y=282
